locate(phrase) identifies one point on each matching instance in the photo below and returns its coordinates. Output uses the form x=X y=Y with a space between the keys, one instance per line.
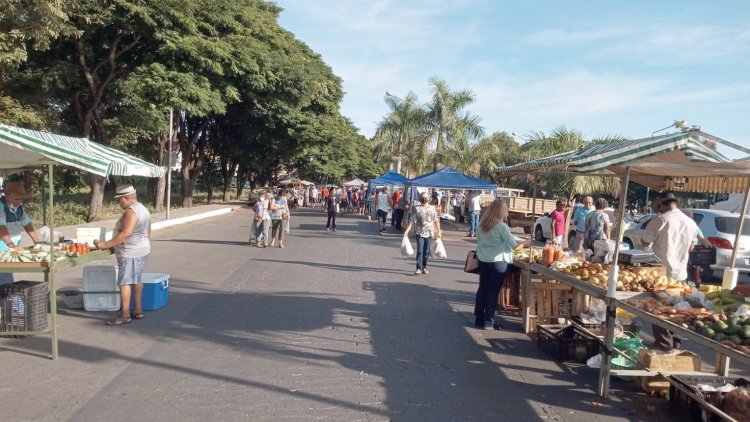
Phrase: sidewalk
x=158 y=220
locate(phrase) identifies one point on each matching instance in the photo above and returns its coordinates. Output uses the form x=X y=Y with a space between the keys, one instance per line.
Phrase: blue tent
x=390 y=178
x=449 y=178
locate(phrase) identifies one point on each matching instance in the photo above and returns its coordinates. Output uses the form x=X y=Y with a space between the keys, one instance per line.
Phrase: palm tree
x=448 y=120
x=403 y=129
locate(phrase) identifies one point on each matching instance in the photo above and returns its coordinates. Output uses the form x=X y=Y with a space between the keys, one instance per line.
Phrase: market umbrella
x=355 y=182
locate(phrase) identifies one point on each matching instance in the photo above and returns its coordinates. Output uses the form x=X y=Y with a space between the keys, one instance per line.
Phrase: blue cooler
x=155 y=291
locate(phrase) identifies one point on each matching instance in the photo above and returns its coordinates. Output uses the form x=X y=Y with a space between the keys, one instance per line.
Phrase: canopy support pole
x=50 y=275
x=526 y=274
x=169 y=160
x=731 y=274
x=609 y=335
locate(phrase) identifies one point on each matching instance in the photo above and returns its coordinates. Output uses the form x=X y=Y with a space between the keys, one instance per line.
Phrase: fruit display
x=39 y=253
x=723 y=300
x=732 y=331
x=629 y=279
x=522 y=255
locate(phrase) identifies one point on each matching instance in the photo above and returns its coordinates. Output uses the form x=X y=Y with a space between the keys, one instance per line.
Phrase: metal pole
x=645 y=202
x=169 y=160
x=609 y=335
x=51 y=273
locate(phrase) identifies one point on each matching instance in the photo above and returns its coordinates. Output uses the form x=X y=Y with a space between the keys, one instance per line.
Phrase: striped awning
x=680 y=162
x=21 y=148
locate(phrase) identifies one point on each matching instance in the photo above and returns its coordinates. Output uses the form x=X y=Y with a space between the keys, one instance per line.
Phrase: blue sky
x=602 y=67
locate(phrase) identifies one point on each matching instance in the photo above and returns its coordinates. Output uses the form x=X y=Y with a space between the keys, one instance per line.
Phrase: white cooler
x=100 y=291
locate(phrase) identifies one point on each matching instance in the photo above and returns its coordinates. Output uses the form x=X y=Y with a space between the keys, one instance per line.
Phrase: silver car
x=719 y=228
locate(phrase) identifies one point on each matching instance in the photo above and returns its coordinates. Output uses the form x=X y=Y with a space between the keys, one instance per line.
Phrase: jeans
x=457 y=213
x=473 y=222
x=331 y=219
x=491 y=278
x=261 y=231
x=423 y=251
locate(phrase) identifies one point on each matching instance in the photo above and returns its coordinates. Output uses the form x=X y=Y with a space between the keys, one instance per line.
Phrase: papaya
x=720 y=326
x=719 y=337
x=734 y=329
x=735 y=339
x=745 y=331
x=707 y=331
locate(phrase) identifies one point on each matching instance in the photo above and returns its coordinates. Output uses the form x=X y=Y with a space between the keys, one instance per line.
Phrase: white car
x=543 y=226
x=633 y=233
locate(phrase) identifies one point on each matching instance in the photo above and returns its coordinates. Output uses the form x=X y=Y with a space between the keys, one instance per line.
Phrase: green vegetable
x=720 y=326
x=745 y=331
x=735 y=339
x=719 y=337
x=734 y=329
x=707 y=331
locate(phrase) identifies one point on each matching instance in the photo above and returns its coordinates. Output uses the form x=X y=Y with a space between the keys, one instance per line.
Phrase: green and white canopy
x=680 y=162
x=24 y=148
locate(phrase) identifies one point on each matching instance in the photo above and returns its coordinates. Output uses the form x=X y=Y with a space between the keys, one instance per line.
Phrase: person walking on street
x=398 y=208
x=671 y=235
x=332 y=207
x=382 y=203
x=130 y=238
x=262 y=220
x=558 y=222
x=458 y=205
x=279 y=215
x=495 y=245
x=426 y=226
x=475 y=206
x=579 y=219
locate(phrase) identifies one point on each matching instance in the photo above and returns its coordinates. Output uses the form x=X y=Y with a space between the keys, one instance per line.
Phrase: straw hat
x=124 y=190
x=665 y=198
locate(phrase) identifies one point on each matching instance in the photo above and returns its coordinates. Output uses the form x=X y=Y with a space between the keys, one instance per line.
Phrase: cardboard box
x=675 y=360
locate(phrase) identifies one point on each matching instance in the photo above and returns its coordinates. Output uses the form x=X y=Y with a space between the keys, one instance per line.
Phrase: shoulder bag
x=472 y=263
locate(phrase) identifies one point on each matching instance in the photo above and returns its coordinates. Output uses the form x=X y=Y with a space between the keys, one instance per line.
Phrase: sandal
x=136 y=316
x=119 y=321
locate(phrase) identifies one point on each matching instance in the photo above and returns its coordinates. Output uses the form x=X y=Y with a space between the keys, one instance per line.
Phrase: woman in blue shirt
x=13 y=221
x=495 y=244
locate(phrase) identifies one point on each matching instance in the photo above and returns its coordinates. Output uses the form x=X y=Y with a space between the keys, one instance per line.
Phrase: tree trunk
x=97 y=196
x=228 y=175
x=161 y=186
x=241 y=180
x=187 y=187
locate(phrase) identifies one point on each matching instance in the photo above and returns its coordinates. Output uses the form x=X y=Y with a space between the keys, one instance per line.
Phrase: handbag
x=472 y=263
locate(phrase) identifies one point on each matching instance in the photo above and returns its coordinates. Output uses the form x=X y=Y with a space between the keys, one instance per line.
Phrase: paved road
x=333 y=327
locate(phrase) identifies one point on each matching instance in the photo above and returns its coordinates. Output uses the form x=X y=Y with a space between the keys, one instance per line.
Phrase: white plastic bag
x=440 y=249
x=406 y=249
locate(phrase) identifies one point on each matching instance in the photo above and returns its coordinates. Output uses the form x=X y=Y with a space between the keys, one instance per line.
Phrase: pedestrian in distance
x=262 y=220
x=382 y=204
x=130 y=238
x=558 y=222
x=597 y=224
x=332 y=208
x=363 y=198
x=579 y=219
x=458 y=205
x=426 y=225
x=495 y=245
x=475 y=207
x=279 y=216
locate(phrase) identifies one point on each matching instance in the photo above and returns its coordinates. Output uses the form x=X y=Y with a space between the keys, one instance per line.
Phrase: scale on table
x=637 y=256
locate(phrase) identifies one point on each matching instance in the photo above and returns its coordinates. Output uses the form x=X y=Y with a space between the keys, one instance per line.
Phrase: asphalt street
x=333 y=327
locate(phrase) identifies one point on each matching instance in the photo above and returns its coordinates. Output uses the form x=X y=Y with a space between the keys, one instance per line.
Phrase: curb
x=183 y=220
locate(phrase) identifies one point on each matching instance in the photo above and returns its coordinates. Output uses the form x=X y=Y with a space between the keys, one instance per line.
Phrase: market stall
x=682 y=162
x=446 y=178
x=27 y=149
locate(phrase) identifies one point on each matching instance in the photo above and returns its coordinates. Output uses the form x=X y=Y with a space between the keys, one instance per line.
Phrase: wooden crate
x=551 y=301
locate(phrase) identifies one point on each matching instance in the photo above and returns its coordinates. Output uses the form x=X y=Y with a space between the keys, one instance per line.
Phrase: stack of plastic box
x=100 y=291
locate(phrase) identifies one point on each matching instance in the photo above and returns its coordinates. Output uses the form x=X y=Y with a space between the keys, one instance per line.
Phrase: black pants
x=399 y=214
x=491 y=278
x=331 y=219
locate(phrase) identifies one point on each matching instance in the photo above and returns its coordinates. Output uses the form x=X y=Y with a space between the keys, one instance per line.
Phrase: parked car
x=719 y=228
x=543 y=226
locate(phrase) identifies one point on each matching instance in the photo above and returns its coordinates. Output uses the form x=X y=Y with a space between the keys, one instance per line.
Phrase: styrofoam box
x=90 y=235
x=100 y=291
x=155 y=291
x=100 y=278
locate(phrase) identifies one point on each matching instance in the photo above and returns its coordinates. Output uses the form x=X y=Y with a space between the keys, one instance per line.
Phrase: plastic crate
x=567 y=342
x=690 y=408
x=100 y=291
x=23 y=306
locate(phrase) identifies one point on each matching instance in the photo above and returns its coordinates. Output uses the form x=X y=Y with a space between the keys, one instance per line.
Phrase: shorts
x=382 y=215
x=130 y=270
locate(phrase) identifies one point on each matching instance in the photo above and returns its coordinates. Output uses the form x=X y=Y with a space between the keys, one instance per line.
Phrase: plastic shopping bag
x=286 y=225
x=440 y=249
x=406 y=249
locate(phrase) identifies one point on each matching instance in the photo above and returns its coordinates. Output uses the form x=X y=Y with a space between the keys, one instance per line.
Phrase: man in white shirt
x=672 y=235
x=382 y=203
x=458 y=204
x=475 y=206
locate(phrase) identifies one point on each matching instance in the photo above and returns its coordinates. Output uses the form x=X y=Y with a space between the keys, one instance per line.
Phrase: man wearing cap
x=130 y=240
x=13 y=221
x=672 y=235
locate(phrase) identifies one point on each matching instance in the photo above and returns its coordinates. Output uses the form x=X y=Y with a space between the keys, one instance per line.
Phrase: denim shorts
x=382 y=215
x=130 y=270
